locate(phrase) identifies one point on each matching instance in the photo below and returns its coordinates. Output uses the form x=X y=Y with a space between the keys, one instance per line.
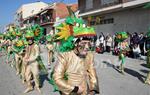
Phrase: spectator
x=141 y=43
x=97 y=42
x=136 y=51
x=101 y=38
x=108 y=43
x=135 y=39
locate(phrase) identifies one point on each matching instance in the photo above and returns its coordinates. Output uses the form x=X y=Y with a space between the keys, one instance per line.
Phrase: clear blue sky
x=9 y=7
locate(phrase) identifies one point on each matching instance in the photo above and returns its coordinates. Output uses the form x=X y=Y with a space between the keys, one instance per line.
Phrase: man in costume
x=10 y=36
x=74 y=74
x=1 y=44
x=124 y=48
x=50 y=48
x=18 y=47
x=30 y=60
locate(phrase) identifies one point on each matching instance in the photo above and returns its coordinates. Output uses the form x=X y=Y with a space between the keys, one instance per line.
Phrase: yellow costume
x=50 y=48
x=74 y=73
x=17 y=56
x=78 y=70
x=32 y=66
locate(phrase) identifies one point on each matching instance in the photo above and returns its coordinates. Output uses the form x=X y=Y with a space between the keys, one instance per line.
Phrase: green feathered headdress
x=148 y=33
x=12 y=32
x=7 y=36
x=38 y=32
x=1 y=35
x=29 y=33
x=18 y=32
x=121 y=36
x=73 y=27
x=19 y=45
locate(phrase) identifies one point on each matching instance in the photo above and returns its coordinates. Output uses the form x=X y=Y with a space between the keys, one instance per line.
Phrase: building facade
x=27 y=10
x=50 y=15
x=111 y=16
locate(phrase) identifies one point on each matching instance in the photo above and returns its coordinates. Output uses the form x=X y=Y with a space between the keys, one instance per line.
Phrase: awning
x=59 y=22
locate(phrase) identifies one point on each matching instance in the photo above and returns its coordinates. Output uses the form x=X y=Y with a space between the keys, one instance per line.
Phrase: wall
x=130 y=20
x=33 y=8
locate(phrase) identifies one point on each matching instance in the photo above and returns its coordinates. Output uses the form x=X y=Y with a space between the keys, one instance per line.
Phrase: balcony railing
x=46 y=21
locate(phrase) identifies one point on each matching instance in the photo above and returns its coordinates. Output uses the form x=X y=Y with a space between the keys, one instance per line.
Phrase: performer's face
x=30 y=41
x=83 y=47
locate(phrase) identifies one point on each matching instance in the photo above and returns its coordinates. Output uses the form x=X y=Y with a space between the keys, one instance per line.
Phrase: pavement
x=111 y=81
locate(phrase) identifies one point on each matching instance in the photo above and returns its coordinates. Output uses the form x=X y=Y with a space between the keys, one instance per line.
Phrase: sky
x=9 y=7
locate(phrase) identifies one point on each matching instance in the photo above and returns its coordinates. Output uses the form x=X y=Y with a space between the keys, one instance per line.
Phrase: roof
x=60 y=8
x=30 y=5
x=62 y=11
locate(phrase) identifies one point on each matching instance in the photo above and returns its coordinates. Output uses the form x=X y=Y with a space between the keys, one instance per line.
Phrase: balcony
x=46 y=19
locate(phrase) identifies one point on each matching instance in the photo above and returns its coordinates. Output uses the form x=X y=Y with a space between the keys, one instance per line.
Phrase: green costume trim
x=52 y=81
x=147 y=5
x=122 y=58
x=41 y=65
x=121 y=36
x=148 y=58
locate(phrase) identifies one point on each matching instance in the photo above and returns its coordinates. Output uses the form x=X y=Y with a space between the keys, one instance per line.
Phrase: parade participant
x=147 y=81
x=8 y=45
x=38 y=33
x=75 y=66
x=108 y=43
x=1 y=44
x=30 y=59
x=18 y=47
x=10 y=37
x=124 y=48
x=50 y=48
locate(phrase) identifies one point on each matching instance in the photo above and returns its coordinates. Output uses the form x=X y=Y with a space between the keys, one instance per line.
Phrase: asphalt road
x=111 y=82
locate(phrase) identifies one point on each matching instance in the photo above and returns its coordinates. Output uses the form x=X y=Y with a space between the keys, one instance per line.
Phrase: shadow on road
x=108 y=64
x=43 y=78
x=135 y=74
x=144 y=71
x=144 y=65
x=128 y=71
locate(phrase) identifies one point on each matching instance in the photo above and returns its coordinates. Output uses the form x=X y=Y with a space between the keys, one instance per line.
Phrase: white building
x=27 y=10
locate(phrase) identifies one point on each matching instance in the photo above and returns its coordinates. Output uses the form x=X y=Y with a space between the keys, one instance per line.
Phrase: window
x=89 y=4
x=102 y=21
x=105 y=2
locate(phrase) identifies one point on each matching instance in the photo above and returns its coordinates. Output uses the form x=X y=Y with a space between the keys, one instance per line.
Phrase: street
x=111 y=82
